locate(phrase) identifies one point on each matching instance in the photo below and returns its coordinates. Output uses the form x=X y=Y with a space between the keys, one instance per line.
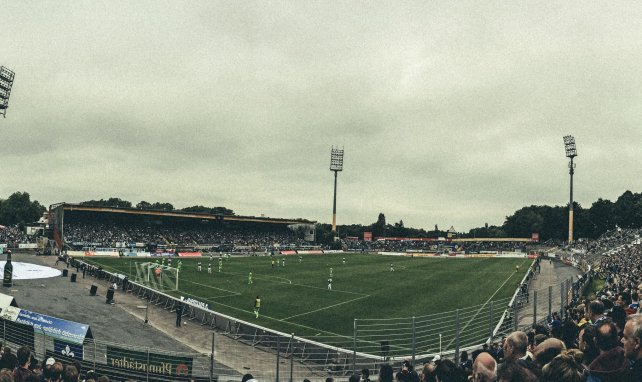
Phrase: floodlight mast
x=571 y=152
x=6 y=82
x=336 y=165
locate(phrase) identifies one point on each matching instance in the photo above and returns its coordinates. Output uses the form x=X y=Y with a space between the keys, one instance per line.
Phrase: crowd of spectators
x=592 y=349
x=593 y=250
x=111 y=235
x=434 y=246
x=24 y=367
x=12 y=236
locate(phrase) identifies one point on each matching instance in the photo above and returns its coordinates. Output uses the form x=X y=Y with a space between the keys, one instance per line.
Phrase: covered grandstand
x=77 y=226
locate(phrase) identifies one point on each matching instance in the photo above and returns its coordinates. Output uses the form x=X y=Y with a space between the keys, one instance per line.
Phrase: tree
x=602 y=216
x=143 y=205
x=111 y=202
x=208 y=210
x=162 y=206
x=379 y=228
x=19 y=209
x=628 y=210
x=524 y=222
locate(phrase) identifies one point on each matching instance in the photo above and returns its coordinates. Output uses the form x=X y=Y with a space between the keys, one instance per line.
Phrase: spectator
x=515 y=347
x=547 y=351
x=70 y=374
x=610 y=365
x=513 y=371
x=8 y=360
x=465 y=363
x=595 y=312
x=484 y=368
x=6 y=375
x=447 y=371
x=586 y=343
x=385 y=373
x=22 y=371
x=55 y=373
x=565 y=367
x=632 y=341
x=365 y=375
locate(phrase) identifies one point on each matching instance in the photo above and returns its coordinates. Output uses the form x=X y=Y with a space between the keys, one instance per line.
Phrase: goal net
x=160 y=277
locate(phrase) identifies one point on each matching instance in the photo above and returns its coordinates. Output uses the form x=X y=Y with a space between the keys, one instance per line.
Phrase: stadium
x=323 y=313
x=165 y=196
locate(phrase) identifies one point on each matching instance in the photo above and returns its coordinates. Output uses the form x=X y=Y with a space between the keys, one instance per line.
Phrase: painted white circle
x=28 y=271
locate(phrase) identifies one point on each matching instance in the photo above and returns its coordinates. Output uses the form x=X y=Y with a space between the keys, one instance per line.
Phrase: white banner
x=28 y=246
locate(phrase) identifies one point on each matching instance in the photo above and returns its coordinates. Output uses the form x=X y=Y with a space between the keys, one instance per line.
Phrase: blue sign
x=69 y=331
x=67 y=349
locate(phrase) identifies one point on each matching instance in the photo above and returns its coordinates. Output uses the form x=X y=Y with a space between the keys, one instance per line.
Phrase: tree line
x=157 y=206
x=551 y=223
x=19 y=209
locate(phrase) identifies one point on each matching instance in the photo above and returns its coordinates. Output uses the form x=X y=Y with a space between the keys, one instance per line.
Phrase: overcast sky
x=450 y=113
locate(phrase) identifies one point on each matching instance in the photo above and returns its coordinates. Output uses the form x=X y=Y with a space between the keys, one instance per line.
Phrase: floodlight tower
x=6 y=82
x=336 y=165
x=571 y=152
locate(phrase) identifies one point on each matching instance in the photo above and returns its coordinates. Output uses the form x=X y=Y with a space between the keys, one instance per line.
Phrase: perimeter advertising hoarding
x=68 y=331
x=67 y=349
x=152 y=363
x=189 y=254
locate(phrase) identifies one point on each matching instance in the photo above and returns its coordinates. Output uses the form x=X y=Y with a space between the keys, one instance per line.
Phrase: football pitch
x=295 y=296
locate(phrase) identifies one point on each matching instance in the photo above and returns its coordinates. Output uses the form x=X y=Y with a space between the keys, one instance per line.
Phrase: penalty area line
x=326 y=307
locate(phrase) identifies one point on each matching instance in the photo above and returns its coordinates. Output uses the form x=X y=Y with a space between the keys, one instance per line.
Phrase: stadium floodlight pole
x=571 y=152
x=6 y=82
x=336 y=165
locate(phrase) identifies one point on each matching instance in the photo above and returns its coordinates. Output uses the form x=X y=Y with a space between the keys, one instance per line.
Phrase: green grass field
x=295 y=298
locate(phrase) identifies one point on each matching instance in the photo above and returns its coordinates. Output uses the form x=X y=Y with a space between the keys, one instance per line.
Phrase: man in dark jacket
x=610 y=365
x=22 y=371
x=8 y=360
x=632 y=341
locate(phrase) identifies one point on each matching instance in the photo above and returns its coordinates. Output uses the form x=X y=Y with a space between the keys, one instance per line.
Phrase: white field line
x=481 y=308
x=212 y=287
x=327 y=307
x=280 y=320
x=266 y=278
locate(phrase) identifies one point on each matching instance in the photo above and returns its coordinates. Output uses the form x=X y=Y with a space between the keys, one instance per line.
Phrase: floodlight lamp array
x=6 y=82
x=336 y=159
x=569 y=145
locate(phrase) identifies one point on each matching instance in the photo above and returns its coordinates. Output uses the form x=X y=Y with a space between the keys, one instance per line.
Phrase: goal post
x=157 y=276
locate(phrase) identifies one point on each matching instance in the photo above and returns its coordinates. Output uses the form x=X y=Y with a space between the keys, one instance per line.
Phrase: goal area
x=160 y=277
